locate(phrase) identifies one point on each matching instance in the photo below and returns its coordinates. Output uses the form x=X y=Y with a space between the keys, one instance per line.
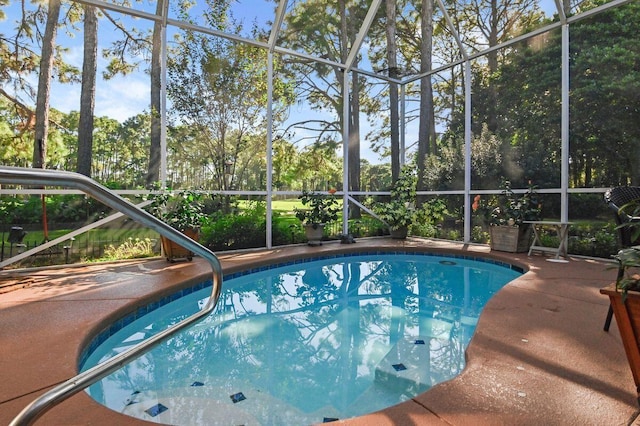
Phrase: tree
x=392 y=62
x=17 y=62
x=605 y=97
x=604 y=103
x=15 y=145
x=498 y=21
x=218 y=88
x=426 y=127
x=328 y=30
x=125 y=57
x=153 y=173
x=88 y=92
x=44 y=85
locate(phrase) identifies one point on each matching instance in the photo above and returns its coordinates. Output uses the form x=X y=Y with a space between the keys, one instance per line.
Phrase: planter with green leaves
x=508 y=231
x=319 y=209
x=400 y=211
x=181 y=210
x=624 y=296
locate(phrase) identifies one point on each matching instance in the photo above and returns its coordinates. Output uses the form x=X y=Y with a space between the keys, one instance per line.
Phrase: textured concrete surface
x=539 y=355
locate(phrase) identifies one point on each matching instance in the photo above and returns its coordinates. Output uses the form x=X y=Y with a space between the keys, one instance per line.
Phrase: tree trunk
x=492 y=61
x=392 y=63
x=354 y=142
x=88 y=94
x=426 y=127
x=153 y=173
x=347 y=37
x=44 y=85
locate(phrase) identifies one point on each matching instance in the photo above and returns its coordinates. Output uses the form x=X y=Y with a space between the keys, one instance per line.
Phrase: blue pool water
x=304 y=343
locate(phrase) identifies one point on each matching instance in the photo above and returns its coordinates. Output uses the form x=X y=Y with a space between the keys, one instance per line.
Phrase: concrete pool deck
x=539 y=355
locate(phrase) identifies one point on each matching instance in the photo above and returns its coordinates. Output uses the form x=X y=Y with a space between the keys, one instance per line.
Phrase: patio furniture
x=562 y=229
x=16 y=235
x=616 y=198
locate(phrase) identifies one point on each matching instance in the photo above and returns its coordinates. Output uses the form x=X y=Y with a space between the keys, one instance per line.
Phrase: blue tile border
x=137 y=314
x=375 y=253
x=143 y=310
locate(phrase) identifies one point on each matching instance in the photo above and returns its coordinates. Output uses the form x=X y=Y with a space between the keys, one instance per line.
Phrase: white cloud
x=122 y=97
x=119 y=98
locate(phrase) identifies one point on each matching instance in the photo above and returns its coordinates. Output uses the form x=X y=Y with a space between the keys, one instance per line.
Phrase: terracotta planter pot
x=627 y=316
x=173 y=250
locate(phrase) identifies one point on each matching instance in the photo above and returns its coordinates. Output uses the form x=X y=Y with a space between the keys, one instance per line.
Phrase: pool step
x=405 y=368
x=188 y=410
x=210 y=404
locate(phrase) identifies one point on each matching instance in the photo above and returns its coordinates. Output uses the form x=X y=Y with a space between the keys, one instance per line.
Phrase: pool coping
x=507 y=380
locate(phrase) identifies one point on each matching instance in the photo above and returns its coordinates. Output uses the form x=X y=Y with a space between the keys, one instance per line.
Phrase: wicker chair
x=617 y=198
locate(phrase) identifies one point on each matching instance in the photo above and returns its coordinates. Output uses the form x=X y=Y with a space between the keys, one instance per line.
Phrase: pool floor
x=539 y=355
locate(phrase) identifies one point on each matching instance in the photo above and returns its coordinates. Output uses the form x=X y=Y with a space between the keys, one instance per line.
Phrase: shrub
x=130 y=249
x=233 y=232
x=479 y=235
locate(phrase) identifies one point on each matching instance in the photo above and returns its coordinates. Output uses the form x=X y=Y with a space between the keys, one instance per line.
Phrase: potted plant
x=319 y=210
x=400 y=211
x=624 y=296
x=181 y=210
x=507 y=230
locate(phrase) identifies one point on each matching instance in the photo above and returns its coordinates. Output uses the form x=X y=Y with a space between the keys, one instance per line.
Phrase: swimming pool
x=304 y=343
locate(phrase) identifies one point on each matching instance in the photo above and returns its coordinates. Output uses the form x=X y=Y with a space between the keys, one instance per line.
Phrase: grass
x=37 y=237
x=286 y=206
x=126 y=230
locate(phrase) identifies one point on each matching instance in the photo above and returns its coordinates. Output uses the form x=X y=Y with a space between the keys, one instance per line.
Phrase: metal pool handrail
x=43 y=177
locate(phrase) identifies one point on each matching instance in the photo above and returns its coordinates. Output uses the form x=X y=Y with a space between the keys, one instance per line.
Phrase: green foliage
x=511 y=209
x=130 y=249
x=479 y=235
x=219 y=88
x=400 y=210
x=632 y=210
x=8 y=208
x=603 y=108
x=24 y=210
x=320 y=208
x=585 y=206
x=444 y=170
x=592 y=240
x=244 y=229
x=428 y=218
x=286 y=230
x=486 y=158
x=629 y=261
x=181 y=210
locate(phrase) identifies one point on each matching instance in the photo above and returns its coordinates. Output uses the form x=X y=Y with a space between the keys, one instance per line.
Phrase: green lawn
x=37 y=237
x=286 y=206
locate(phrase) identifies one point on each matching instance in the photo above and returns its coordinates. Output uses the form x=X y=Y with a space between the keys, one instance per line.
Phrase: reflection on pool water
x=305 y=343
